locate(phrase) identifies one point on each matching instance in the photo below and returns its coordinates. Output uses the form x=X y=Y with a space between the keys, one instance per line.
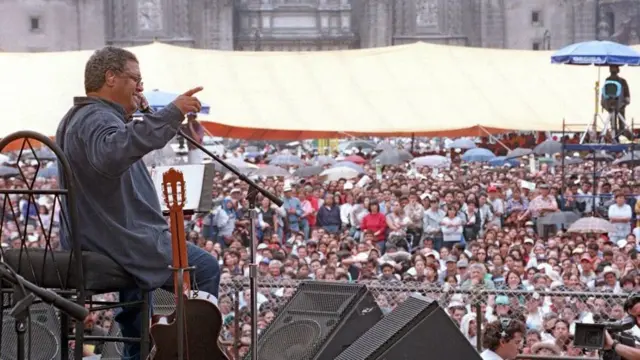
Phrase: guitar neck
x=174 y=193
x=179 y=251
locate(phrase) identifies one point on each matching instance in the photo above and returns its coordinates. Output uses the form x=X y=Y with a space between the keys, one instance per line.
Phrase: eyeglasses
x=136 y=78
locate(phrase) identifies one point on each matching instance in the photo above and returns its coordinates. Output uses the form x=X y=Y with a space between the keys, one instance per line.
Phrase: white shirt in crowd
x=498 y=208
x=490 y=355
x=621 y=229
x=451 y=229
x=345 y=212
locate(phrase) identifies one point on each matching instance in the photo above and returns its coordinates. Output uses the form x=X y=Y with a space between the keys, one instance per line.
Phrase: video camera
x=611 y=97
x=591 y=336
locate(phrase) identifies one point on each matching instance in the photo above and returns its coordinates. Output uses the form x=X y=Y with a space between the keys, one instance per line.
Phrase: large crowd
x=434 y=230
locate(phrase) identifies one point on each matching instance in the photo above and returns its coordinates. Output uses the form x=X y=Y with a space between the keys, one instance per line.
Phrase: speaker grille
x=45 y=339
x=113 y=350
x=324 y=298
x=292 y=342
x=322 y=302
x=388 y=328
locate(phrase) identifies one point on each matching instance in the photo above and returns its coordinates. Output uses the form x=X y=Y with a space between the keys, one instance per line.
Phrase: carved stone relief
x=427 y=13
x=150 y=15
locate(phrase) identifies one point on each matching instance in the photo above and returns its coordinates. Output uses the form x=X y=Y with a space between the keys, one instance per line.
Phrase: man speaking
x=118 y=207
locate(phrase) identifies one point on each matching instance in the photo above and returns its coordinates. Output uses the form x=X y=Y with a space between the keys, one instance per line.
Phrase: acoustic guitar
x=202 y=318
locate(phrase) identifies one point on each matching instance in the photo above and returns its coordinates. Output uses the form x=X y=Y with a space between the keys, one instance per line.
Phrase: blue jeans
x=304 y=223
x=331 y=229
x=437 y=242
x=207 y=278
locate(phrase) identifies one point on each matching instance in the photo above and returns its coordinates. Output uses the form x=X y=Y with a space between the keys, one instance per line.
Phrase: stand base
x=609 y=134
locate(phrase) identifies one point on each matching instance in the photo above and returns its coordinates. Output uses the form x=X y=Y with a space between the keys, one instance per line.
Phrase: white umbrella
x=240 y=164
x=337 y=173
x=270 y=170
x=432 y=161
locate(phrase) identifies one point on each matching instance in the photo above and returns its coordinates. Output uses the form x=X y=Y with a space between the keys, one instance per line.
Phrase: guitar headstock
x=173 y=189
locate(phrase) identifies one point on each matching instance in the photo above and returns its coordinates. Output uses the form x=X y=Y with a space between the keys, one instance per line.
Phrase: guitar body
x=203 y=324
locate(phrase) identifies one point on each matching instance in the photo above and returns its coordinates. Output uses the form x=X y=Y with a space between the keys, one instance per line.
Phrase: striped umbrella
x=591 y=225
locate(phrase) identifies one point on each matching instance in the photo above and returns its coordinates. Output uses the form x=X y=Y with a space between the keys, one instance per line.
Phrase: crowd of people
x=461 y=226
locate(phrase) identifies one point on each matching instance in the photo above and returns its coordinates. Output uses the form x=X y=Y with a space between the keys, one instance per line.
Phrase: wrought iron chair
x=75 y=274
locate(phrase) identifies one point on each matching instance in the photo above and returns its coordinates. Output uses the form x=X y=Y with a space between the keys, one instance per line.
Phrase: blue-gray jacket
x=119 y=213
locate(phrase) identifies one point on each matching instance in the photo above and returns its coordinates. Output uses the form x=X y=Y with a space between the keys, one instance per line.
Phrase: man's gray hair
x=108 y=58
x=479 y=267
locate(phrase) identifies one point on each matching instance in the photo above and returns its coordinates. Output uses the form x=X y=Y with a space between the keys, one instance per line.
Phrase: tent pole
x=494 y=138
x=595 y=181
x=562 y=156
x=597 y=107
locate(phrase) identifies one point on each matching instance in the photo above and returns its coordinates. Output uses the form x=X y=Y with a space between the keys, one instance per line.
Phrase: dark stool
x=74 y=274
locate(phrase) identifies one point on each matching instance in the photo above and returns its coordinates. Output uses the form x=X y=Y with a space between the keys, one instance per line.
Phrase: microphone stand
x=253 y=266
x=25 y=293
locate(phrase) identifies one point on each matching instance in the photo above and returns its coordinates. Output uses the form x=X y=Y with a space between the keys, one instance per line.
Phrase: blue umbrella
x=596 y=53
x=286 y=160
x=478 y=155
x=462 y=144
x=252 y=154
x=350 y=165
x=48 y=172
x=159 y=99
x=323 y=160
x=502 y=161
x=8 y=171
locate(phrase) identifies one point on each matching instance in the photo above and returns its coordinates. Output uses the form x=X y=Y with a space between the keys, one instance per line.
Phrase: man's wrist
x=613 y=346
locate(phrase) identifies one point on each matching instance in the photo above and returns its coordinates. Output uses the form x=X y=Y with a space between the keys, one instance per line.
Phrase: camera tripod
x=610 y=129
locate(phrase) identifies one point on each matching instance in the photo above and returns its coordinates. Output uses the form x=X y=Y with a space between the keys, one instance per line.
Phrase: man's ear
x=109 y=78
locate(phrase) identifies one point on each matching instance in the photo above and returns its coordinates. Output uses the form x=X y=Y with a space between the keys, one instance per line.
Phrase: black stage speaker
x=416 y=329
x=113 y=350
x=45 y=334
x=319 y=322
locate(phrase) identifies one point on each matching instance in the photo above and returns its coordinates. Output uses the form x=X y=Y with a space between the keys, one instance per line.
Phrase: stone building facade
x=307 y=25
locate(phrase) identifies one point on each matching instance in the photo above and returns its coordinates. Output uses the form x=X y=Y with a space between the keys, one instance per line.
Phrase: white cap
x=287 y=186
x=609 y=269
